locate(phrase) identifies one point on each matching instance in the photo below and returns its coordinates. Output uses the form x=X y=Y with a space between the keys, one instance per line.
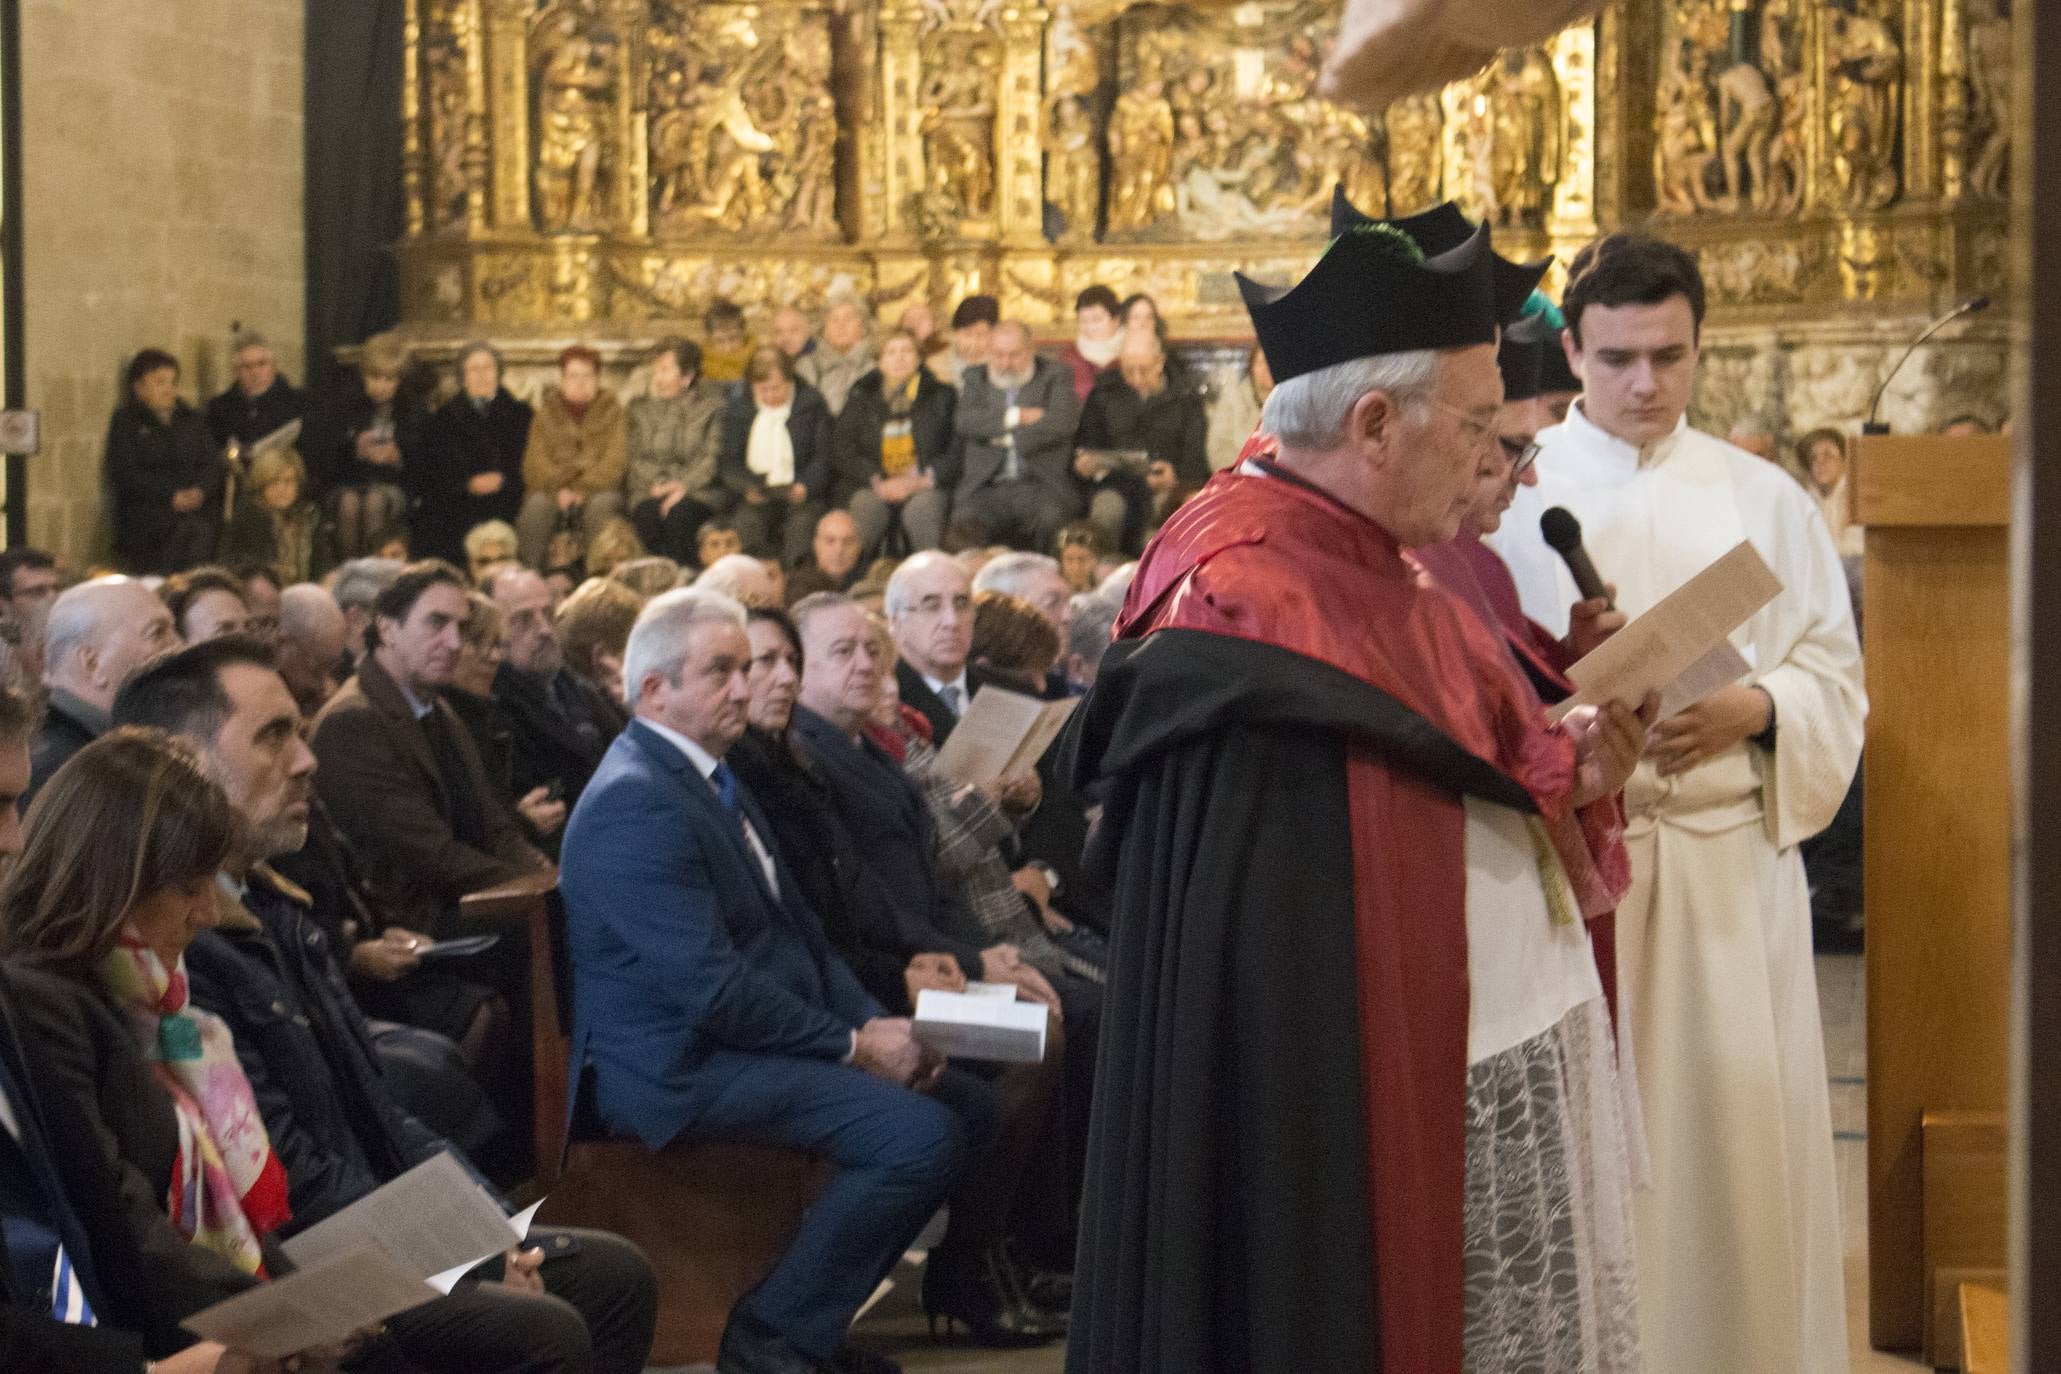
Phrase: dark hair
x=977 y=310
x=1630 y=269
x=181 y=694
x=1811 y=441
x=1981 y=422
x=15 y=559
x=686 y=353
x=771 y=615
x=1123 y=313
x=1098 y=294
x=147 y=361
x=766 y=361
x=720 y=314
x=1085 y=534
x=721 y=524
x=181 y=590
x=965 y=532
x=578 y=353
x=18 y=715
x=130 y=815
x=1010 y=636
x=400 y=595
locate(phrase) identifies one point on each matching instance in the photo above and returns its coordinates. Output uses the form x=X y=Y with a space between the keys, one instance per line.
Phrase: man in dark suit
x=99 y=633
x=400 y=772
x=709 y=1005
x=559 y=726
x=930 y=615
x=1016 y=420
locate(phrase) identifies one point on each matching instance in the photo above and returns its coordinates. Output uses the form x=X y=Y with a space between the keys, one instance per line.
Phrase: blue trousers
x=896 y=1153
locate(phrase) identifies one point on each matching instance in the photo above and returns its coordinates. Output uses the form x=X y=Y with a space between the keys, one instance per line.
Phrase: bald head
x=930 y=612
x=313 y=635
x=790 y=330
x=525 y=602
x=836 y=548
x=101 y=632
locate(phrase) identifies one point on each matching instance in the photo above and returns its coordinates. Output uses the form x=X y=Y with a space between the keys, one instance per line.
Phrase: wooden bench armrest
x=509 y=899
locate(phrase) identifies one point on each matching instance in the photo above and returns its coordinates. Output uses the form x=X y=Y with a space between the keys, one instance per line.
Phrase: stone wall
x=162 y=175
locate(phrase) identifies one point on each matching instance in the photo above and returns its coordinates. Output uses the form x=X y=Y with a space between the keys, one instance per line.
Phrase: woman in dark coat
x=888 y=444
x=775 y=454
x=163 y=472
x=473 y=467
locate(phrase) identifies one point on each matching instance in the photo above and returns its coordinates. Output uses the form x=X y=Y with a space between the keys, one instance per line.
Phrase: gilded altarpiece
x=606 y=168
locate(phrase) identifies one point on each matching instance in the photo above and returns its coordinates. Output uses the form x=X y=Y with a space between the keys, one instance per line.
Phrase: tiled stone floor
x=896 y=1327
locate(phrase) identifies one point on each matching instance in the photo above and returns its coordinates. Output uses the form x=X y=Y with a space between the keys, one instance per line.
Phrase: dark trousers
x=896 y=1153
x=596 y=1315
x=677 y=534
x=778 y=528
x=1023 y=513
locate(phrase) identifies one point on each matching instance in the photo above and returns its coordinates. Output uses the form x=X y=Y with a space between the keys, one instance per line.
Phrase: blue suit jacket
x=687 y=969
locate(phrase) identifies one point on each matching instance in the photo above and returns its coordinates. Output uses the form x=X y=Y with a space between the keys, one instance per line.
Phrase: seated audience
x=715 y=1009
x=399 y=772
x=483 y=648
x=1147 y=406
x=674 y=431
x=930 y=613
x=206 y=603
x=560 y=726
x=833 y=564
x=890 y=942
x=1097 y=337
x=487 y=545
x=742 y=578
x=593 y=627
x=1088 y=634
x=275 y=526
x=100 y=632
x=716 y=539
x=1015 y=421
x=260 y=401
x=1236 y=414
x=647 y=576
x=1822 y=456
x=789 y=331
x=1082 y=547
x=1037 y=580
x=725 y=346
x=617 y=543
x=28 y=583
x=472 y=468
x=840 y=357
x=775 y=456
x=973 y=323
x=310 y=645
x=267 y=972
x=375 y=442
x=572 y=465
x=890 y=446
x=1139 y=314
x=262 y=588
x=163 y=472
x=356 y=586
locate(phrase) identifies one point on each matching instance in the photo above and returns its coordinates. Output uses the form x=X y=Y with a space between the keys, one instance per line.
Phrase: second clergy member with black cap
x=1358 y=1108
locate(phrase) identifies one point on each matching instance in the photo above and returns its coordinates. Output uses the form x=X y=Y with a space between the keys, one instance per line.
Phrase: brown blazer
x=379 y=780
x=588 y=454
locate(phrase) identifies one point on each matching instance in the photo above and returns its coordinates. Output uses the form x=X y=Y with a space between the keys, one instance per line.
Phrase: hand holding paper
x=1002 y=735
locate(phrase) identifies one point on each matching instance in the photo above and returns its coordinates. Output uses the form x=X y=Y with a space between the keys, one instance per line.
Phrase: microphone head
x=1562 y=531
x=1978 y=304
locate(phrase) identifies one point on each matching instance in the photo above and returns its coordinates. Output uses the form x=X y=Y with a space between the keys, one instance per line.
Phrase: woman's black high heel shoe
x=980 y=1294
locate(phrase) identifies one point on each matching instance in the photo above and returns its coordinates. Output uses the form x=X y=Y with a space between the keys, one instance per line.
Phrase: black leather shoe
x=752 y=1347
x=853 y=1360
x=980 y=1294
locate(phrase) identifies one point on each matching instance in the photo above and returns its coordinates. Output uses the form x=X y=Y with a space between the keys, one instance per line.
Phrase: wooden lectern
x=1938 y=819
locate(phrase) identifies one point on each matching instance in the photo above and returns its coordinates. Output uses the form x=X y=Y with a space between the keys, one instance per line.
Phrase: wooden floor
x=896 y=1326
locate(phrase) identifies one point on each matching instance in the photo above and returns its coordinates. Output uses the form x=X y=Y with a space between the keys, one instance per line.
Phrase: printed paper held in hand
x=963 y=1026
x=1001 y=734
x=321 y=1304
x=1679 y=647
x=434 y=1220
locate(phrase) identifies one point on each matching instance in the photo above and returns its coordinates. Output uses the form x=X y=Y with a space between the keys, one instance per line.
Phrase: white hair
x=1309 y=412
x=81 y=616
x=897 y=599
x=305 y=610
x=1094 y=620
x=658 y=641
x=1117 y=585
x=360 y=581
x=735 y=575
x=1012 y=573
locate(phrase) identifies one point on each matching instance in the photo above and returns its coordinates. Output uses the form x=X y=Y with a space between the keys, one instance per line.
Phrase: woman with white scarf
x=776 y=456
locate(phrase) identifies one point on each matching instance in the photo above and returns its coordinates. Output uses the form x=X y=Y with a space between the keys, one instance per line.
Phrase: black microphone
x=1968 y=307
x=1564 y=533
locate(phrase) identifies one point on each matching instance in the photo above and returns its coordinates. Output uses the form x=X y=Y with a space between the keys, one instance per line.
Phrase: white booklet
x=980 y=1026
x=434 y=1221
x=319 y=1305
x=1002 y=734
x=1680 y=647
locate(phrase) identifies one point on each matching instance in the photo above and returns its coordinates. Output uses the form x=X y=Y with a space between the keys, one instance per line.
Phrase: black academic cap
x=1519 y=357
x=1369 y=295
x=1554 y=373
x=1441 y=229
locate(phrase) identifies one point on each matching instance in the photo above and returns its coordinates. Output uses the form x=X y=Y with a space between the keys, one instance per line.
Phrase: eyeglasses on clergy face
x=1522 y=453
x=1480 y=431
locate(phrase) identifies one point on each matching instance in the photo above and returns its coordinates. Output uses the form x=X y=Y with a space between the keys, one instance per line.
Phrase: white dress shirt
x=705 y=764
x=938 y=686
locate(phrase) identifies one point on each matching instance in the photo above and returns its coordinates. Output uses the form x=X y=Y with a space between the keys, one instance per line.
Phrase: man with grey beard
x=1016 y=419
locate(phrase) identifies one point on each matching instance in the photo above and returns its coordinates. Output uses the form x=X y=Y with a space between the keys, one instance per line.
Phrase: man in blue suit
x=708 y=1004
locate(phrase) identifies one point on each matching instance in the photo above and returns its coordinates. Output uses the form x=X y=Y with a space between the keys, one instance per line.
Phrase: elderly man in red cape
x=1357 y=1108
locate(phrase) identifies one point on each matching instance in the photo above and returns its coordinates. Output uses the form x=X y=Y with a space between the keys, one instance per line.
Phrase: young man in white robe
x=1739 y=1248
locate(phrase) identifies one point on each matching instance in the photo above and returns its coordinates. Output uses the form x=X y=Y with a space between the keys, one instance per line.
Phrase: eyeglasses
x=1483 y=433
x=1523 y=453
